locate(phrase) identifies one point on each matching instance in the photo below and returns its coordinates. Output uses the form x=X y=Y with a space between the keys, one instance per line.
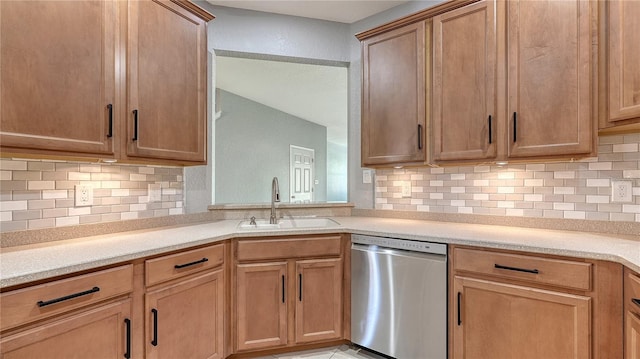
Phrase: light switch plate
x=366 y=176
x=83 y=196
x=155 y=192
x=406 y=189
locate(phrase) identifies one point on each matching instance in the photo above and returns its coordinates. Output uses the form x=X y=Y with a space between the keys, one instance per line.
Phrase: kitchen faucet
x=275 y=197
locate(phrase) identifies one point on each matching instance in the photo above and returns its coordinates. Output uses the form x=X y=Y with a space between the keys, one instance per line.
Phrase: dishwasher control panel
x=403 y=244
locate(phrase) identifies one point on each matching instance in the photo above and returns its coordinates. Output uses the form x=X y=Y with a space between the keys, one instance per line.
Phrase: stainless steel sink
x=288 y=223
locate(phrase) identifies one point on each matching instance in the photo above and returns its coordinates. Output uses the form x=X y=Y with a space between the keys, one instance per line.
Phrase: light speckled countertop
x=24 y=264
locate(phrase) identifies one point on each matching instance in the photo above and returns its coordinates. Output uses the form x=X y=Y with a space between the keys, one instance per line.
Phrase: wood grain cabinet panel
x=185 y=319
x=319 y=304
x=167 y=57
x=497 y=320
x=261 y=309
x=57 y=74
x=632 y=336
x=102 y=332
x=464 y=118
x=394 y=96
x=620 y=63
x=549 y=78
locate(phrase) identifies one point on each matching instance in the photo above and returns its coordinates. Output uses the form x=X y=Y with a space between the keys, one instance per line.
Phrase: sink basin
x=314 y=222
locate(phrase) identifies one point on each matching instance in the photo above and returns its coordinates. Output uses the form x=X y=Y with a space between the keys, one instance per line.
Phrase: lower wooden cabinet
x=632 y=315
x=285 y=295
x=520 y=305
x=185 y=319
x=261 y=308
x=632 y=336
x=319 y=303
x=497 y=320
x=102 y=332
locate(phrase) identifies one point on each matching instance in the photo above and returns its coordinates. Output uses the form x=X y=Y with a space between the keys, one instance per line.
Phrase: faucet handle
x=252 y=221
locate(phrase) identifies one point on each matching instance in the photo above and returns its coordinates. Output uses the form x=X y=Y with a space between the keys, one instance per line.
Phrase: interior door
x=302 y=172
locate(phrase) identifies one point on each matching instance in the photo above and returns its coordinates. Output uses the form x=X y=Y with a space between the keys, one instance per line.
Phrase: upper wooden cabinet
x=619 y=63
x=57 y=73
x=549 y=50
x=167 y=58
x=107 y=79
x=394 y=97
x=464 y=77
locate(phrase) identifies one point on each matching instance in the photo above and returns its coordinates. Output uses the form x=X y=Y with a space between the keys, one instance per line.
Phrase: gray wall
x=252 y=146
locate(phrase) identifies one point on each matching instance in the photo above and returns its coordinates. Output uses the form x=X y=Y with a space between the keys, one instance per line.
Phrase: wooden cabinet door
x=495 y=320
x=319 y=300
x=261 y=308
x=464 y=78
x=623 y=50
x=57 y=74
x=632 y=336
x=549 y=78
x=167 y=59
x=393 y=96
x=185 y=320
x=101 y=333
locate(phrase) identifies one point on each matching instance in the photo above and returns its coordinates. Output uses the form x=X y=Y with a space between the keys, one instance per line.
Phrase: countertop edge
x=354 y=225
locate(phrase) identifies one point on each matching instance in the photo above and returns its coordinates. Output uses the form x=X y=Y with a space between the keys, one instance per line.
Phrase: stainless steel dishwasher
x=399 y=297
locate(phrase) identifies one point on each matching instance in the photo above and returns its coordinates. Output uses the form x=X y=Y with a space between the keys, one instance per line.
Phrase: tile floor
x=341 y=352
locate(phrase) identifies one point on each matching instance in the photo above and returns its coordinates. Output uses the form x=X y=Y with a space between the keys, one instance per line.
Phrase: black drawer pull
x=419 y=136
x=178 y=266
x=636 y=301
x=283 y=288
x=67 y=297
x=135 y=125
x=515 y=124
x=300 y=294
x=534 y=271
x=154 y=341
x=459 y=316
x=110 y=133
x=127 y=324
x=489 y=129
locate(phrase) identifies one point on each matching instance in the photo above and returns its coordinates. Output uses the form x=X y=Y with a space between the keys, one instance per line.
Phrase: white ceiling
x=312 y=92
x=345 y=11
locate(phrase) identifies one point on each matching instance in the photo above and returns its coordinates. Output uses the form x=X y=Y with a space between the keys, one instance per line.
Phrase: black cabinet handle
x=459 y=316
x=178 y=266
x=135 y=125
x=110 y=133
x=490 y=141
x=300 y=283
x=127 y=324
x=534 y=271
x=283 y=288
x=636 y=301
x=154 y=342
x=67 y=297
x=419 y=136
x=515 y=125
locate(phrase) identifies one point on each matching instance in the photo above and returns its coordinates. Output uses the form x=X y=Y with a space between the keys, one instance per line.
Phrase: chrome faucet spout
x=275 y=197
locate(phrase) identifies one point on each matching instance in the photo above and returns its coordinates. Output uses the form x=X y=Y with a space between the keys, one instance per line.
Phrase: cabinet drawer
x=181 y=264
x=286 y=248
x=562 y=273
x=632 y=291
x=37 y=302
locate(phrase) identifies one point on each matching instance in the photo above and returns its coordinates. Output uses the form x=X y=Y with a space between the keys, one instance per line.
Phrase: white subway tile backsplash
x=564 y=206
x=627 y=147
x=598 y=182
x=564 y=190
x=597 y=199
x=575 y=215
x=564 y=174
x=40 y=194
x=631 y=173
x=436 y=195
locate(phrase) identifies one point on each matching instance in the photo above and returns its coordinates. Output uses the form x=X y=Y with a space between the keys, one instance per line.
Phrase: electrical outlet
x=621 y=191
x=406 y=189
x=155 y=192
x=83 y=196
